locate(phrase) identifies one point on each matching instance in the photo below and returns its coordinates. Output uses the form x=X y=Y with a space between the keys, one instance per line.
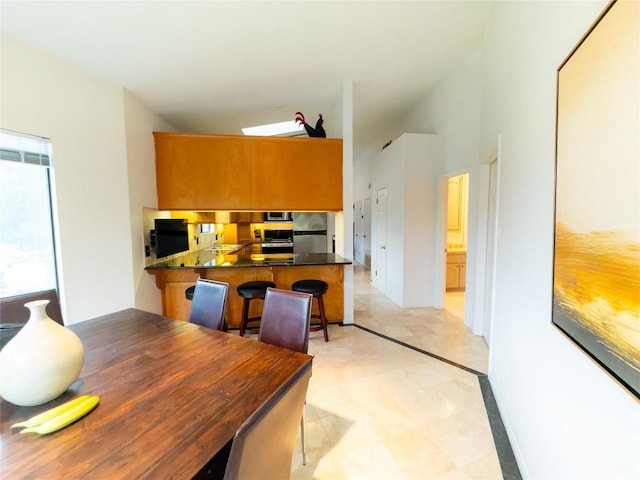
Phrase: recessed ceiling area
x=216 y=67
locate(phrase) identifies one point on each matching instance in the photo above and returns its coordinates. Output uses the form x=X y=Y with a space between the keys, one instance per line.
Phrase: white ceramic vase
x=41 y=361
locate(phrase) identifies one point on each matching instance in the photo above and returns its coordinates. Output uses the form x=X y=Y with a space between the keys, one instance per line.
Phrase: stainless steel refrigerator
x=310 y=232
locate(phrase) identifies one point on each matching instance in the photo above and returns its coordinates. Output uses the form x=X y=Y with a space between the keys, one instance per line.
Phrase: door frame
x=441 y=236
x=491 y=250
x=477 y=240
x=359 y=233
x=367 y=231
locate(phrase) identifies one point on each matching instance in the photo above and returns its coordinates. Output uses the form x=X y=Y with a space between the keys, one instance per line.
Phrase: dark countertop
x=207 y=259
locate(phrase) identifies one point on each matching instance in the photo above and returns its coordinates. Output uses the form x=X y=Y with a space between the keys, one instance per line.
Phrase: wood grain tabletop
x=171 y=395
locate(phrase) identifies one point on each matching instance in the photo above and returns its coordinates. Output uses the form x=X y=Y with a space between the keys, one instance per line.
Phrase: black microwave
x=277 y=216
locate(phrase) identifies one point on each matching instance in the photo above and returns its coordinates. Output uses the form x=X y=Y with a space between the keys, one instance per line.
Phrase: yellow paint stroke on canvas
x=598 y=275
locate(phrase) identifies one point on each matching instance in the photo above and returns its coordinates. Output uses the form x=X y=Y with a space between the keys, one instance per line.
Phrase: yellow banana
x=51 y=413
x=65 y=418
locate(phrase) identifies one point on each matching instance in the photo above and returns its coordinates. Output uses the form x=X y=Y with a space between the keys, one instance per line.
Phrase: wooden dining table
x=172 y=394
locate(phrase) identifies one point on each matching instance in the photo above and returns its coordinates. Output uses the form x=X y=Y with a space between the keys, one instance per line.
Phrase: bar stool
x=317 y=288
x=251 y=291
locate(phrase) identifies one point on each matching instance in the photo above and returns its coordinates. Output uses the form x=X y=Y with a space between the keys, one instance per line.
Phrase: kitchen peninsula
x=253 y=177
x=175 y=275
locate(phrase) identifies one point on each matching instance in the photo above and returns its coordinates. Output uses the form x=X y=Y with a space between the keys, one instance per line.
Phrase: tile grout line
x=419 y=350
x=506 y=458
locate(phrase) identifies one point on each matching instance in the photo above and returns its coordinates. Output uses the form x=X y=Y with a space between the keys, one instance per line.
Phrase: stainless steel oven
x=277 y=241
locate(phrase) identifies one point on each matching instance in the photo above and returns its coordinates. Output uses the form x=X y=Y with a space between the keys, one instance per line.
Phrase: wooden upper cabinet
x=201 y=172
x=299 y=173
x=226 y=172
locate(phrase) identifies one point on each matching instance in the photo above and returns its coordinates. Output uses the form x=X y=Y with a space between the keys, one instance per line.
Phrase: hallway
x=441 y=332
x=382 y=404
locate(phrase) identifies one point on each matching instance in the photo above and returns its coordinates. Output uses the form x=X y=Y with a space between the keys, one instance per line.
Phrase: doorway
x=359 y=246
x=380 y=273
x=367 y=232
x=456 y=244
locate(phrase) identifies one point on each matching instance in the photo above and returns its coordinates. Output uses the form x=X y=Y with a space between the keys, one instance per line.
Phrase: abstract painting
x=596 y=277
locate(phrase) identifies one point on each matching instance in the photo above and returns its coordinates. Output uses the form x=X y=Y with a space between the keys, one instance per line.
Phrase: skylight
x=283 y=129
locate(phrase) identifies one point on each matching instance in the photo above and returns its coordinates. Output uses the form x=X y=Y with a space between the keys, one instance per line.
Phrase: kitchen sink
x=225 y=247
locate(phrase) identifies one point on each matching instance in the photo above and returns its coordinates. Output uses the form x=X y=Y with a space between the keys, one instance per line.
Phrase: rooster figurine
x=312 y=132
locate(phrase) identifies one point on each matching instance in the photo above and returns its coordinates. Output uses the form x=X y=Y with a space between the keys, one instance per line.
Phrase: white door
x=381 y=241
x=359 y=243
x=491 y=250
x=367 y=231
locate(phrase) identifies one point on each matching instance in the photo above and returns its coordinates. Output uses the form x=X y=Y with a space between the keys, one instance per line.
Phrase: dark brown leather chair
x=286 y=318
x=12 y=309
x=209 y=304
x=263 y=446
x=13 y=313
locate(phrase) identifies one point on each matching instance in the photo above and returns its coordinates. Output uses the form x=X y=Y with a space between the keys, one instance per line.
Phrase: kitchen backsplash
x=227 y=233
x=203 y=239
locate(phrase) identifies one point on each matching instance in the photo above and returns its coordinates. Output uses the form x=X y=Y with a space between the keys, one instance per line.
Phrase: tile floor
x=379 y=410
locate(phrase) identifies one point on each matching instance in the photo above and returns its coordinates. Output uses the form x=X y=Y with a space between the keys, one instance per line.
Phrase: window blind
x=24 y=148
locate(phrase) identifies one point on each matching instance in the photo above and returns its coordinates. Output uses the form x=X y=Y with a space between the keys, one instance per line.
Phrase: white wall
x=362 y=190
x=388 y=172
x=84 y=116
x=344 y=239
x=452 y=110
x=139 y=122
x=407 y=169
x=362 y=179
x=422 y=156
x=565 y=416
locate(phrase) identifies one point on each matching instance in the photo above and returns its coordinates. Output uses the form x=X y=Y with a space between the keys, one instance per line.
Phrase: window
x=27 y=252
x=206 y=228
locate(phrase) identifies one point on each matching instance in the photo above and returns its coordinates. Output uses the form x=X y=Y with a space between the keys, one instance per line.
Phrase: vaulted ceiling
x=215 y=67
